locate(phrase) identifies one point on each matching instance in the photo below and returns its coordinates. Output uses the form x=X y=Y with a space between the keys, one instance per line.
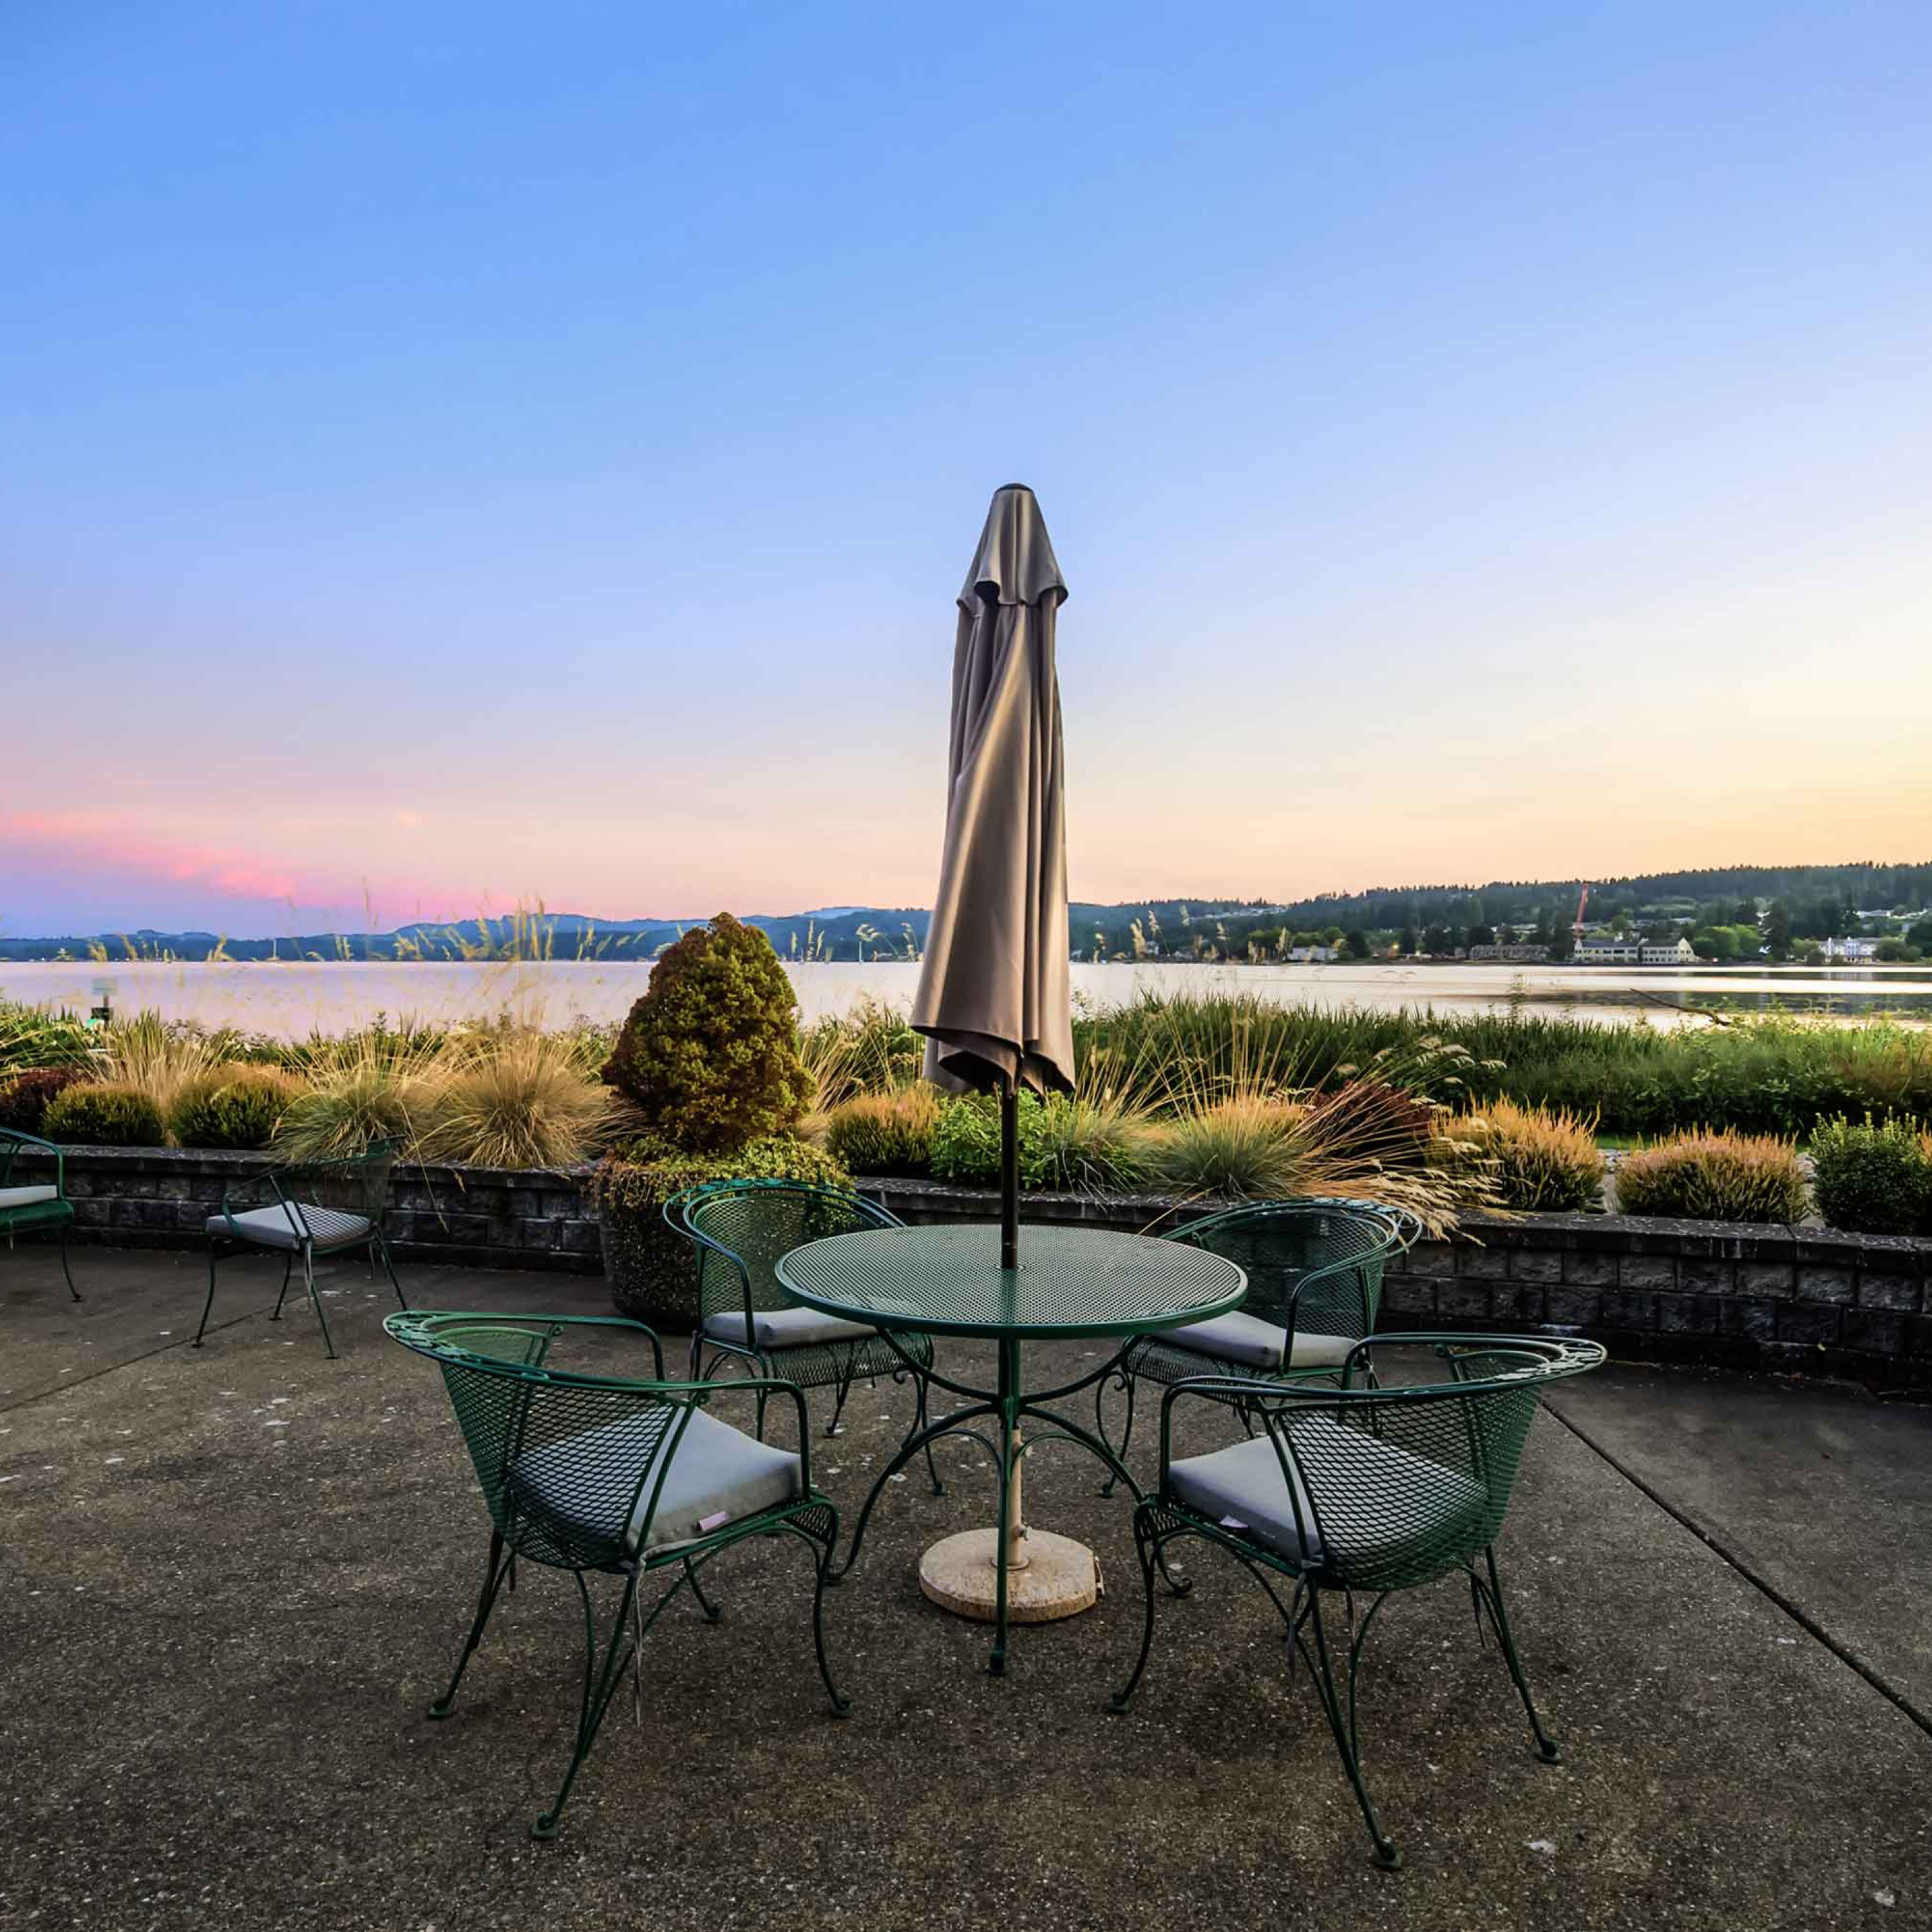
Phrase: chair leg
x=1124 y=1381
x=841 y=1704
x=1386 y=1855
x=315 y=1300
x=1143 y=1548
x=598 y=1686
x=65 y=1269
x=713 y=1613
x=288 y=1269
x=844 y=1387
x=209 y=1303
x=923 y=1388
x=1546 y=1745
x=493 y=1577
x=379 y=1247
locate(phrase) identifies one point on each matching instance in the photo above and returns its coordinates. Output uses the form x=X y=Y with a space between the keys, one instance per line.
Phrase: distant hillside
x=1817 y=897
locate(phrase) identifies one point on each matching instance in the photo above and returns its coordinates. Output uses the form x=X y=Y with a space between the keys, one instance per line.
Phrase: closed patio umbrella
x=993 y=996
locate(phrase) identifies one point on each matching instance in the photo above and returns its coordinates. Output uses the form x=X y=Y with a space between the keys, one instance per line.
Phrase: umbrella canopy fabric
x=993 y=995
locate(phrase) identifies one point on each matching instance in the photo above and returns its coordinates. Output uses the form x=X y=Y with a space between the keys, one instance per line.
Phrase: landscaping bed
x=1756 y=1294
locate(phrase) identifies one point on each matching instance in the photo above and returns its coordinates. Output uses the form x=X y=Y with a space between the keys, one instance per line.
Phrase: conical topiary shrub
x=709 y=1061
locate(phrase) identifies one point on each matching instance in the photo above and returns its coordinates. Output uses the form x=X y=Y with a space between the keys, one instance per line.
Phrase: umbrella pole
x=1010 y=1173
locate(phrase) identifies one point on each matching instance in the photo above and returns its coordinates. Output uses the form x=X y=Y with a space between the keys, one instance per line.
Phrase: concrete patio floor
x=231 y=1580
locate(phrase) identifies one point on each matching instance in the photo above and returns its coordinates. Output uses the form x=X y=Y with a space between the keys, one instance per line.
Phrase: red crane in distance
x=1582 y=900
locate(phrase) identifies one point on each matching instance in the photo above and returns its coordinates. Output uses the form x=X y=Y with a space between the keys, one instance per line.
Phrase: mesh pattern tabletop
x=1070 y=1281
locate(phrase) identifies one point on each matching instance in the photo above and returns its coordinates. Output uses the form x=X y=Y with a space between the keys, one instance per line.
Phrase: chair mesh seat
x=1440 y=1505
x=274 y=1228
x=716 y=1471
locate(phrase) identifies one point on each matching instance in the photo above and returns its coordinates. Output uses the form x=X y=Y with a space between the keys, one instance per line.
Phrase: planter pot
x=652 y=1276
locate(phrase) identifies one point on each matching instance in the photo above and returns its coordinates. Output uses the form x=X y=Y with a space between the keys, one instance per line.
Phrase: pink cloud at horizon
x=52 y=851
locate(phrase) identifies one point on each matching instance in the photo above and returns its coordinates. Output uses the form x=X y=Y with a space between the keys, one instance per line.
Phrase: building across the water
x=1522 y=953
x=1851 y=949
x=1604 y=952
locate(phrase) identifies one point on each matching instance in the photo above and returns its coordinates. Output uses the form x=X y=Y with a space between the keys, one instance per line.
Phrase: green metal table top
x=1070 y=1281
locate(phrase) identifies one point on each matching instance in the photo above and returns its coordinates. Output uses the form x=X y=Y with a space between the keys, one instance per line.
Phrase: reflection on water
x=291 y=1001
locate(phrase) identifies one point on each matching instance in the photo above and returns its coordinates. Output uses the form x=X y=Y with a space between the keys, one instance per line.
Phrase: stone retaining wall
x=494 y=1217
x=1798 y=1298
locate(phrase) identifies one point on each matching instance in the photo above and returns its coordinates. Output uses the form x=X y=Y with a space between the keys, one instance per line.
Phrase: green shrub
x=966 y=1142
x=1715 y=1177
x=231 y=1107
x=1874 y=1178
x=651 y=1270
x=709 y=1056
x=885 y=1133
x=1546 y=1161
x=101 y=1113
x=24 y=1099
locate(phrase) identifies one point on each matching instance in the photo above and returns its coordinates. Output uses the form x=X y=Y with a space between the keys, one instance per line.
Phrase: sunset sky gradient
x=463 y=454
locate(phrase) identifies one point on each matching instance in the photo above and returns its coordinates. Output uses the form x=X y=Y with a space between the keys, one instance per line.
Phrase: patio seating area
x=237 y=1577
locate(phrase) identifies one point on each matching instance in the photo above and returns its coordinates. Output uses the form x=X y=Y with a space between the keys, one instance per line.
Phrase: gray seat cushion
x=26 y=1197
x=274 y=1228
x=715 y=1470
x=776 y=1328
x=1254 y=1343
x=1246 y=1483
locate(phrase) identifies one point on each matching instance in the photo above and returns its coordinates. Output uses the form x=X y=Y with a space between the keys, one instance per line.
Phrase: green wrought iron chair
x=302 y=1210
x=601 y=1474
x=1361 y=1489
x=35 y=1205
x=741 y=1229
x=1315 y=1283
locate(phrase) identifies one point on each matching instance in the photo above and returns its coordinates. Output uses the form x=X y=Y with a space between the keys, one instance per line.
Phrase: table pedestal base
x=1061 y=1577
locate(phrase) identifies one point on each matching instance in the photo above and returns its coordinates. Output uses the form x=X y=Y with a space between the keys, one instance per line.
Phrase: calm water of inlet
x=290 y=1001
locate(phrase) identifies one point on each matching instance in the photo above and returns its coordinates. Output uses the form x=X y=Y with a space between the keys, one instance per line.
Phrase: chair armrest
x=19 y=1140
x=705 y=1244
x=560 y=1322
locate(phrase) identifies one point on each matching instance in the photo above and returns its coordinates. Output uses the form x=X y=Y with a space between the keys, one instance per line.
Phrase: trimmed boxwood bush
x=103 y=1113
x=232 y=1107
x=1715 y=1177
x=25 y=1100
x=653 y=1272
x=709 y=1057
x=885 y=1133
x=1874 y=1178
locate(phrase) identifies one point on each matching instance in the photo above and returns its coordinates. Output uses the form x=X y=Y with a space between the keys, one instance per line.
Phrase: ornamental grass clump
x=1546 y=1159
x=161 y=1059
x=710 y=1057
x=233 y=1107
x=1874 y=1178
x=102 y=1113
x=884 y=1133
x=1715 y=1177
x=517 y=1099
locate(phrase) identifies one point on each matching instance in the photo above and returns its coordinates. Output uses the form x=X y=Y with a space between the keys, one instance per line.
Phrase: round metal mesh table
x=1071 y=1281
x=947 y=1280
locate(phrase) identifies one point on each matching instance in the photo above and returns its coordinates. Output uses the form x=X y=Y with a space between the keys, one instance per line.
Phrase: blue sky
x=459 y=454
